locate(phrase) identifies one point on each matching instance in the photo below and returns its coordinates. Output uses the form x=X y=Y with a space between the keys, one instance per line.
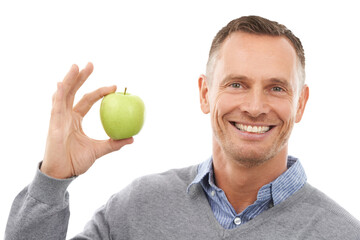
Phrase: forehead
x=256 y=56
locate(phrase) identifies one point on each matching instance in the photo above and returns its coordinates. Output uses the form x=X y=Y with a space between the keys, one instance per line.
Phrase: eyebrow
x=282 y=82
x=231 y=77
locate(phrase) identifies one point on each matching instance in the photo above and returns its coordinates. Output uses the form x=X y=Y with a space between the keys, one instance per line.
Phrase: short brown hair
x=260 y=26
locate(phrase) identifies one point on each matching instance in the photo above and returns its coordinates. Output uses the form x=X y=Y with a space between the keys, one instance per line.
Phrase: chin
x=251 y=161
x=250 y=158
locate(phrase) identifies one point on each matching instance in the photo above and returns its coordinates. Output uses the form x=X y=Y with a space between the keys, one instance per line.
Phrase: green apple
x=122 y=115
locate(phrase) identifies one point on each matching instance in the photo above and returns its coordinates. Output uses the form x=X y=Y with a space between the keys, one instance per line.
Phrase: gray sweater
x=160 y=207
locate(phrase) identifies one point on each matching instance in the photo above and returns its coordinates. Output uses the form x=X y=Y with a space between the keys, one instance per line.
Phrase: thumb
x=107 y=146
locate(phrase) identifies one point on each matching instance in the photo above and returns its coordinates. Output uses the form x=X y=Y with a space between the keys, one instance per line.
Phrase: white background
x=158 y=49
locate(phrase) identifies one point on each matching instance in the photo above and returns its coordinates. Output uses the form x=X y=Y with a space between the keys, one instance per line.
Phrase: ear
x=304 y=96
x=204 y=91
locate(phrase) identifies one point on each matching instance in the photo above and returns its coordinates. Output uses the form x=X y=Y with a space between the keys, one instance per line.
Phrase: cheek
x=222 y=104
x=286 y=112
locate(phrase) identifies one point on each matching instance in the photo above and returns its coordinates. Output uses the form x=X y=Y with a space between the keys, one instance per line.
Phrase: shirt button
x=213 y=193
x=237 y=221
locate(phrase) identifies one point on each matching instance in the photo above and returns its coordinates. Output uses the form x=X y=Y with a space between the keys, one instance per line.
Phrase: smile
x=252 y=129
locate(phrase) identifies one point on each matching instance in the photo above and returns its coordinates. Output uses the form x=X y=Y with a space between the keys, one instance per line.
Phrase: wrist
x=53 y=172
x=49 y=190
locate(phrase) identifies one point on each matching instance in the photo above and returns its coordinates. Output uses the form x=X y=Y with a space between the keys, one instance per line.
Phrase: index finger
x=88 y=100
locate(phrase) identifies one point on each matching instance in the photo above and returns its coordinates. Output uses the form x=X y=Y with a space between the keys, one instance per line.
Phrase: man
x=250 y=188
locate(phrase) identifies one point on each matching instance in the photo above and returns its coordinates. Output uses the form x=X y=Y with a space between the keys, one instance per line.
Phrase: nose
x=255 y=103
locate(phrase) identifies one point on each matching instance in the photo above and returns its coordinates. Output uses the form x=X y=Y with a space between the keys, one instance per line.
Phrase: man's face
x=253 y=98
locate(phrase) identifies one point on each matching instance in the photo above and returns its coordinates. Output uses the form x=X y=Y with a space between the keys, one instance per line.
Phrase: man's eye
x=277 y=89
x=235 y=85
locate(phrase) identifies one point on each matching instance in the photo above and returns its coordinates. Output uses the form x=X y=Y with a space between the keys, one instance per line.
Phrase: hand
x=69 y=152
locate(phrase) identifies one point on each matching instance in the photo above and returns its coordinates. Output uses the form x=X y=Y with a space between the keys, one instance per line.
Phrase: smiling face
x=253 y=97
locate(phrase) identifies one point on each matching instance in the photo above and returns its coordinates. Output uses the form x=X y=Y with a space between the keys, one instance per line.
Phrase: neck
x=242 y=183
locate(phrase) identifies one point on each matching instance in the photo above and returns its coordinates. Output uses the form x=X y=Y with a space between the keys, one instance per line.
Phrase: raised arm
x=69 y=152
x=41 y=210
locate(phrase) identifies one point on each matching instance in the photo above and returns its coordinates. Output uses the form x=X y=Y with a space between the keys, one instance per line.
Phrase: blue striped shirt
x=268 y=196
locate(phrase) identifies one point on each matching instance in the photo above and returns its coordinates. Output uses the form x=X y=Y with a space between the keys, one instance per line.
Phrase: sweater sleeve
x=40 y=210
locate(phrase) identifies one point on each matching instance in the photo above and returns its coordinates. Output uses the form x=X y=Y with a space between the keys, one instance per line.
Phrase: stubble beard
x=255 y=157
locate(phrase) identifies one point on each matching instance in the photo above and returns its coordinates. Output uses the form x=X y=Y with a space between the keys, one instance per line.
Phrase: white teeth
x=252 y=129
x=249 y=129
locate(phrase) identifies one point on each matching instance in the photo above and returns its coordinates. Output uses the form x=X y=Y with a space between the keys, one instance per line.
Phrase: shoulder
x=321 y=201
x=152 y=189
x=328 y=217
x=169 y=181
x=311 y=214
x=147 y=200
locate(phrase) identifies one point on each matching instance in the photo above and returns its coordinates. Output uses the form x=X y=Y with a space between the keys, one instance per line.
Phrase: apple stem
x=125 y=91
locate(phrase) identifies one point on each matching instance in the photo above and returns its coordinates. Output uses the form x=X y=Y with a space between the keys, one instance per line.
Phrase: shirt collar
x=204 y=169
x=289 y=182
x=279 y=189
